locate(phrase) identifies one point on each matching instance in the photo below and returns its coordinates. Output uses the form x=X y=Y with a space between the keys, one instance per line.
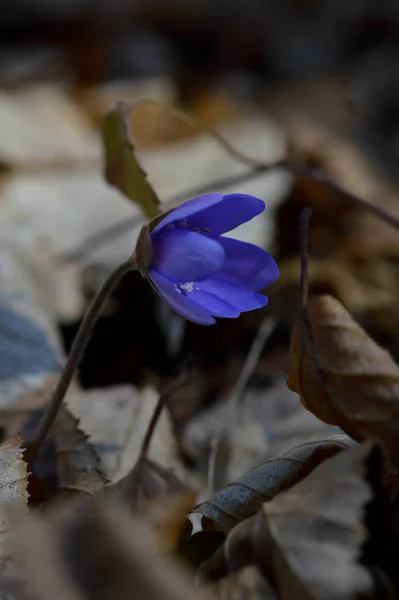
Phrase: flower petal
x=238 y=296
x=247 y=264
x=183 y=256
x=211 y=303
x=179 y=302
x=213 y=214
x=187 y=209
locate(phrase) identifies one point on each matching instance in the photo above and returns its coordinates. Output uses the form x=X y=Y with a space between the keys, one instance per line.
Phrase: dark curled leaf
x=310 y=538
x=243 y=498
x=201 y=546
x=122 y=168
x=235 y=554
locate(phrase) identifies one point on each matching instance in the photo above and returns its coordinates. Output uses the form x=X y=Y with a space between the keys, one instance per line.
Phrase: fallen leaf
x=174 y=171
x=241 y=448
x=311 y=536
x=13 y=491
x=122 y=167
x=345 y=281
x=286 y=421
x=12 y=588
x=146 y=480
x=98 y=100
x=41 y=562
x=29 y=344
x=201 y=546
x=234 y=553
x=244 y=497
x=43 y=127
x=77 y=463
x=99 y=550
x=168 y=517
x=248 y=584
x=344 y=377
x=116 y=419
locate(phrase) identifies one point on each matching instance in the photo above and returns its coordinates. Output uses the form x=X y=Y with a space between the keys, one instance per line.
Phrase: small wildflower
x=197 y=270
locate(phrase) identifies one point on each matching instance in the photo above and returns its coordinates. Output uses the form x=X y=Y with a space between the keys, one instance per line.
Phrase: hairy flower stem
x=75 y=355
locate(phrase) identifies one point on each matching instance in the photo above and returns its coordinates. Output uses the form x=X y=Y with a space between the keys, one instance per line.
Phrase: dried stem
x=361 y=114
x=298 y=169
x=163 y=400
x=304 y=243
x=75 y=355
x=198 y=126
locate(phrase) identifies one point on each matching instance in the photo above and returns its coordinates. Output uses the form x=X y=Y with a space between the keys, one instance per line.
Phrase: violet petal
x=213 y=214
x=182 y=256
x=237 y=295
x=211 y=303
x=179 y=302
x=247 y=264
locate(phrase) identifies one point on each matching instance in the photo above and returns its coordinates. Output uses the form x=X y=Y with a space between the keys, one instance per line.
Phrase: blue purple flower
x=199 y=272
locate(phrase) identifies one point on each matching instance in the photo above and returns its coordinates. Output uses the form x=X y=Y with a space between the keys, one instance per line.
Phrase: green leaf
x=122 y=168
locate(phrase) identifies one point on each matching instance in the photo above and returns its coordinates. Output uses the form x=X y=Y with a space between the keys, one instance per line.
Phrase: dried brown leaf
x=78 y=470
x=311 y=536
x=201 y=546
x=343 y=376
x=147 y=479
x=358 y=287
x=233 y=555
x=168 y=517
x=99 y=551
x=244 y=497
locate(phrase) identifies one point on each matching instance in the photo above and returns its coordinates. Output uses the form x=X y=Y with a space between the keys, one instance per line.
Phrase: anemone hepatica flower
x=199 y=272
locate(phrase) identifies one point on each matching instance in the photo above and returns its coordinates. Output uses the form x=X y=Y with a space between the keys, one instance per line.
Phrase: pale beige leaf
x=42 y=125
x=13 y=488
x=314 y=533
x=116 y=420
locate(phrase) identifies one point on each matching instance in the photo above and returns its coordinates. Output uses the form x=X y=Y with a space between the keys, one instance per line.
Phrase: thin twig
x=260 y=339
x=106 y=235
x=163 y=400
x=197 y=125
x=75 y=355
x=300 y=170
x=304 y=248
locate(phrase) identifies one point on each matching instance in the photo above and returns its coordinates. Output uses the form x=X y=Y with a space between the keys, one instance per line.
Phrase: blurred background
x=317 y=81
